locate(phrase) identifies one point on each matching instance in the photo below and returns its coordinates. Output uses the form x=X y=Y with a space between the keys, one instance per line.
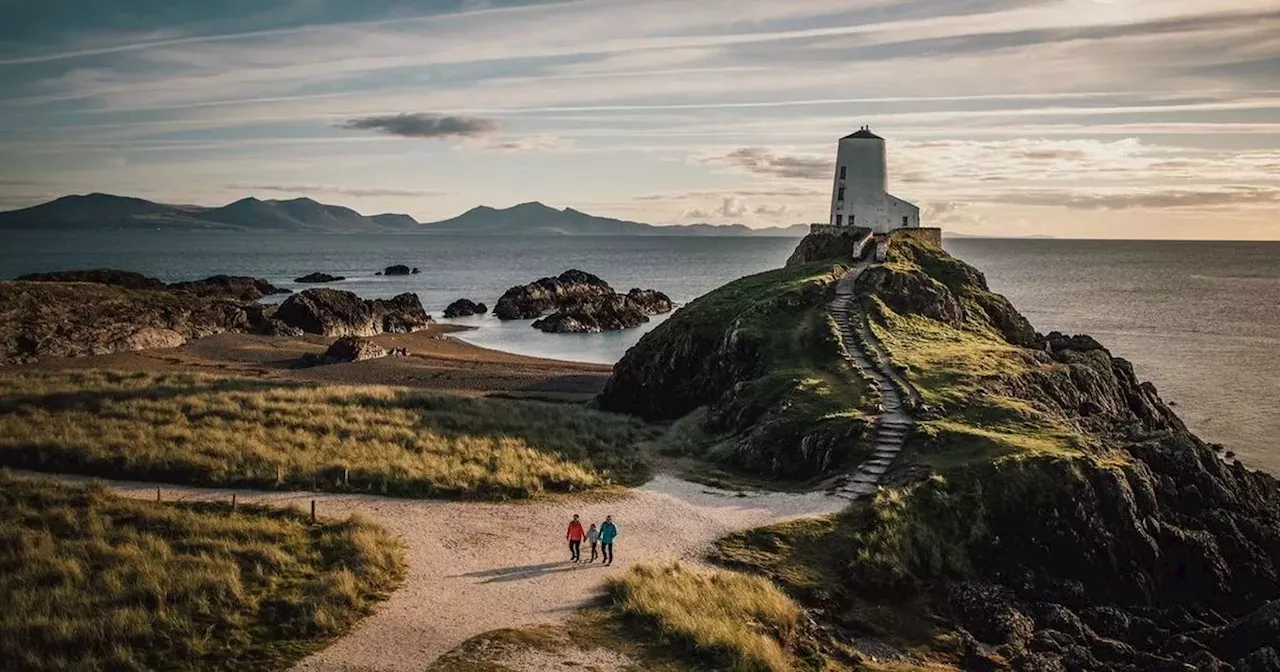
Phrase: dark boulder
x=465 y=308
x=101 y=276
x=398 y=269
x=237 y=287
x=347 y=349
x=535 y=299
x=402 y=314
x=329 y=312
x=332 y=312
x=311 y=278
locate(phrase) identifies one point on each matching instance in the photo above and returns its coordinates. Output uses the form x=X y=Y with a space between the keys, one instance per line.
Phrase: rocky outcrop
x=465 y=308
x=402 y=314
x=827 y=247
x=651 y=301
x=101 y=276
x=608 y=313
x=400 y=269
x=351 y=349
x=318 y=278
x=535 y=299
x=331 y=312
x=75 y=319
x=237 y=287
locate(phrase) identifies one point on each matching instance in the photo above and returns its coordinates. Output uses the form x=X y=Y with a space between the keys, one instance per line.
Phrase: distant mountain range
x=99 y=212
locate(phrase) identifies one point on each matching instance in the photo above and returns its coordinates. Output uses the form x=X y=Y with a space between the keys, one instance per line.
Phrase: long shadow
x=520 y=573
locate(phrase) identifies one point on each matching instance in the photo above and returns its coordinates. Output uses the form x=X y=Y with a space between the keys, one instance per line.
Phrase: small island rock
x=312 y=278
x=609 y=313
x=398 y=269
x=538 y=298
x=465 y=308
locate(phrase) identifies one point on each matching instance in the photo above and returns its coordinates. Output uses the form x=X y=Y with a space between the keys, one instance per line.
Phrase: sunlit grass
x=734 y=621
x=89 y=580
x=224 y=431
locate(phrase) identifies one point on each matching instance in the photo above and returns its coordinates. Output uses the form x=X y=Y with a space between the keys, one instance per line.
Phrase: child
x=593 y=536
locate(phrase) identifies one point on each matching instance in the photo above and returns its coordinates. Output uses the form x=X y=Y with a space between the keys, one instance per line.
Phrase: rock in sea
x=465 y=308
x=318 y=278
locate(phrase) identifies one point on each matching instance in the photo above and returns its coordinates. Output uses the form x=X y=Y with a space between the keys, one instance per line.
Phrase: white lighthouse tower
x=860 y=197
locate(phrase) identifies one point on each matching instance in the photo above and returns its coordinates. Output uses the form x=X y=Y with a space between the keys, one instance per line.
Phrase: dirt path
x=475 y=567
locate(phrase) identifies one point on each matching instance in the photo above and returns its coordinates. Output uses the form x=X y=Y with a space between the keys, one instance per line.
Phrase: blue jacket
x=607 y=532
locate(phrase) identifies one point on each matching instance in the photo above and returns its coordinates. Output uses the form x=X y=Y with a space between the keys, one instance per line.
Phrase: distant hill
x=537 y=219
x=95 y=212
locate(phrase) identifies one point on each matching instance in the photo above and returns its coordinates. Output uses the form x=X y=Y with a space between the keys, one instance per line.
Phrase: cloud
x=771 y=210
x=528 y=143
x=1154 y=200
x=762 y=161
x=424 y=125
x=733 y=207
x=355 y=192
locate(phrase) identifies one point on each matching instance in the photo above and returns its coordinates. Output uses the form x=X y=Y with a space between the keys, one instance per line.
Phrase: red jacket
x=575 y=532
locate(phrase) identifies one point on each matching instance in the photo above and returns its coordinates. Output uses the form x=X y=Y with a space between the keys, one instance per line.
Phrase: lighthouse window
x=842 y=169
x=840 y=194
x=905 y=219
x=839 y=220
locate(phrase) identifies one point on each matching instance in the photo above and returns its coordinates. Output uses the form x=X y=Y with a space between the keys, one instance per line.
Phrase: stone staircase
x=898 y=397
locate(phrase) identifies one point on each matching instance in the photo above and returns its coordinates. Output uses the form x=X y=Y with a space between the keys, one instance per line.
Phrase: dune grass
x=204 y=430
x=89 y=580
x=730 y=620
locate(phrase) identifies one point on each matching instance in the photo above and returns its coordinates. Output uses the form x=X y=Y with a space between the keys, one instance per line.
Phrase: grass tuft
x=734 y=621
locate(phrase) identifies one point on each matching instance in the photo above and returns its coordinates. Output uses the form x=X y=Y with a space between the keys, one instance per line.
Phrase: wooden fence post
x=157 y=495
x=233 y=503
x=313 y=511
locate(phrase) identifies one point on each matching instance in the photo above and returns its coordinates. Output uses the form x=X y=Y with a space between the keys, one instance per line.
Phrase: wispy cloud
x=424 y=125
x=762 y=161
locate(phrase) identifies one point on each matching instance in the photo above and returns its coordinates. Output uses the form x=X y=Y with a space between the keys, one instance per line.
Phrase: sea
x=1201 y=320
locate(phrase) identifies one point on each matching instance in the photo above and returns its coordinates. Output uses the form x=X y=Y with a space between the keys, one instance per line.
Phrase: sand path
x=475 y=567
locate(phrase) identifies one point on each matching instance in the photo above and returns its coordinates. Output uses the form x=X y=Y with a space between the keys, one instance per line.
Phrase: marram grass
x=92 y=581
x=236 y=432
x=734 y=621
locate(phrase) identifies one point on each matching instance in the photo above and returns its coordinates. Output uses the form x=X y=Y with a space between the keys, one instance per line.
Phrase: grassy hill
x=1049 y=510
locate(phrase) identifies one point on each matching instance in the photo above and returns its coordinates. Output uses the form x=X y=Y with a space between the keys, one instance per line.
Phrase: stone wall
x=928 y=234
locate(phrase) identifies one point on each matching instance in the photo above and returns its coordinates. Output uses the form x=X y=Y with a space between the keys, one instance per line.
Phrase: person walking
x=575 y=535
x=593 y=537
x=608 y=532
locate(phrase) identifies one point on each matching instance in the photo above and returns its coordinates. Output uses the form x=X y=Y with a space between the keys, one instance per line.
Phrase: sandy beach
x=436 y=361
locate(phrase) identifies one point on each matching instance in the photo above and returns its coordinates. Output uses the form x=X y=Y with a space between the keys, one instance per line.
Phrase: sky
x=1068 y=118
